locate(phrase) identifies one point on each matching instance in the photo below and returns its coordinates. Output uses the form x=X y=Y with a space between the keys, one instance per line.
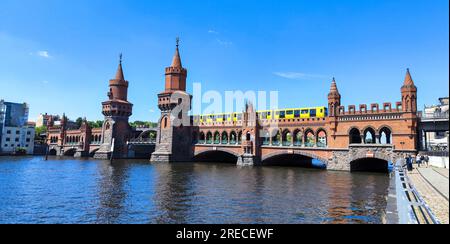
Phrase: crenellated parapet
x=373 y=109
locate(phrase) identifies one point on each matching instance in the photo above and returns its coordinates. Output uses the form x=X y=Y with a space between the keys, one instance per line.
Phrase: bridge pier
x=246 y=160
x=81 y=154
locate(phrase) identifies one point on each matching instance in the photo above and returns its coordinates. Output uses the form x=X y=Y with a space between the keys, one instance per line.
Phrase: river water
x=88 y=191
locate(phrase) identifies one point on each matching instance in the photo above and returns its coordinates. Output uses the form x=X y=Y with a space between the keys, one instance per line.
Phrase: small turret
x=409 y=94
x=176 y=74
x=334 y=99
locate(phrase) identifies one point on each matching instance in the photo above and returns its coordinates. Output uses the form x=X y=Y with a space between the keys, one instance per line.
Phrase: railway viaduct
x=349 y=138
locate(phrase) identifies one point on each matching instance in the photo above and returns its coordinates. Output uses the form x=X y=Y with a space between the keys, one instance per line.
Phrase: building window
x=6 y=145
x=8 y=139
x=8 y=132
x=26 y=145
x=28 y=132
x=28 y=139
x=17 y=139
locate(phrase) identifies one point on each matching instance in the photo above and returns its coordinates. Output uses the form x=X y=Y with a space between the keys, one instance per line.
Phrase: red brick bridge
x=349 y=138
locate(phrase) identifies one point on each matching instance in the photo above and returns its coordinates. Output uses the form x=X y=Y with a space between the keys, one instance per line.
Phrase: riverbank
x=433 y=185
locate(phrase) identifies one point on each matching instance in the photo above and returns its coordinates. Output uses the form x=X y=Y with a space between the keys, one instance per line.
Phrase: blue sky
x=58 y=55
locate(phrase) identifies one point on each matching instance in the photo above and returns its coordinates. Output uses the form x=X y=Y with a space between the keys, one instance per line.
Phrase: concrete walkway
x=436 y=179
x=443 y=172
x=433 y=186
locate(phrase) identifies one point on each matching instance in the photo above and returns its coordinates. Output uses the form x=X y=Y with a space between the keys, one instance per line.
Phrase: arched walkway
x=355 y=136
x=370 y=136
x=385 y=136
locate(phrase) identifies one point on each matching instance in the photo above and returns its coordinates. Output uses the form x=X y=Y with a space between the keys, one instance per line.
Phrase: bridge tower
x=173 y=143
x=250 y=138
x=117 y=111
x=86 y=133
x=409 y=94
x=334 y=104
x=409 y=106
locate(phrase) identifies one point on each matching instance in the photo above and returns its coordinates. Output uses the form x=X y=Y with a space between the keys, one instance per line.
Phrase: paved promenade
x=433 y=185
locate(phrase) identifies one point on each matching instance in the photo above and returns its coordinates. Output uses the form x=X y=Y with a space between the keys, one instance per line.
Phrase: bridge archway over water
x=52 y=152
x=70 y=152
x=216 y=156
x=286 y=158
x=369 y=165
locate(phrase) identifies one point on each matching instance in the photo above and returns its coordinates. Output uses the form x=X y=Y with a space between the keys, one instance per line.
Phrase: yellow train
x=294 y=113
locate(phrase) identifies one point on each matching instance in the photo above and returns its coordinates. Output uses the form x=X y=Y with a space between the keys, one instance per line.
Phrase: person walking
x=427 y=160
x=409 y=163
x=418 y=160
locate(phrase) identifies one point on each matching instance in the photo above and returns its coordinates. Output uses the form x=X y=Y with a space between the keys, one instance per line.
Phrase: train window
x=282 y=114
x=290 y=112
x=304 y=111
x=239 y=116
x=297 y=113
x=313 y=113
x=269 y=113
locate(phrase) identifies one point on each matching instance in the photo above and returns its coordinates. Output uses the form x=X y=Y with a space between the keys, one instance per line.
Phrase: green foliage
x=21 y=151
x=143 y=124
x=79 y=122
x=38 y=131
x=96 y=124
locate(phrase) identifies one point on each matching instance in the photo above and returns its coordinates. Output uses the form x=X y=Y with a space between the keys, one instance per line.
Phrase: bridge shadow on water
x=370 y=165
x=216 y=157
x=278 y=161
x=294 y=160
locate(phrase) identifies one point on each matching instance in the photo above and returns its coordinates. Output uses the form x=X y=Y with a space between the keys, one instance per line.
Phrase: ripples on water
x=89 y=191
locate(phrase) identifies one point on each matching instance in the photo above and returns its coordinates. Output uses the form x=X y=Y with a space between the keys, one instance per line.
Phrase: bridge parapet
x=373 y=109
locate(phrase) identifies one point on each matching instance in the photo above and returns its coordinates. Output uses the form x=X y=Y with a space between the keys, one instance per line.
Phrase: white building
x=15 y=132
x=15 y=138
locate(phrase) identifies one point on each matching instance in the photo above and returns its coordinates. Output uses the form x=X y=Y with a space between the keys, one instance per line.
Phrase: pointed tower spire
x=334 y=99
x=176 y=62
x=176 y=74
x=408 y=79
x=119 y=73
x=334 y=88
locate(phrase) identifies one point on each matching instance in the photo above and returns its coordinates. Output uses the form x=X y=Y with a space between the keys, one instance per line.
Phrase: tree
x=79 y=122
x=147 y=124
x=96 y=124
x=38 y=131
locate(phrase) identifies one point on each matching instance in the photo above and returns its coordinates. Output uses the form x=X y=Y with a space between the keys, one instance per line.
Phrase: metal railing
x=411 y=207
x=435 y=153
x=142 y=141
x=437 y=115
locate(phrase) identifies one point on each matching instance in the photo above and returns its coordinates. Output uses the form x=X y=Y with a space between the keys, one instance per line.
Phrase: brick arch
x=369 y=127
x=144 y=133
x=93 y=151
x=385 y=126
x=377 y=155
x=353 y=127
x=70 y=151
x=225 y=150
x=286 y=152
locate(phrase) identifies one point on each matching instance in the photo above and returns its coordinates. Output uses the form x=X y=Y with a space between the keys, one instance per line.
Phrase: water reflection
x=174 y=193
x=111 y=192
x=73 y=191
